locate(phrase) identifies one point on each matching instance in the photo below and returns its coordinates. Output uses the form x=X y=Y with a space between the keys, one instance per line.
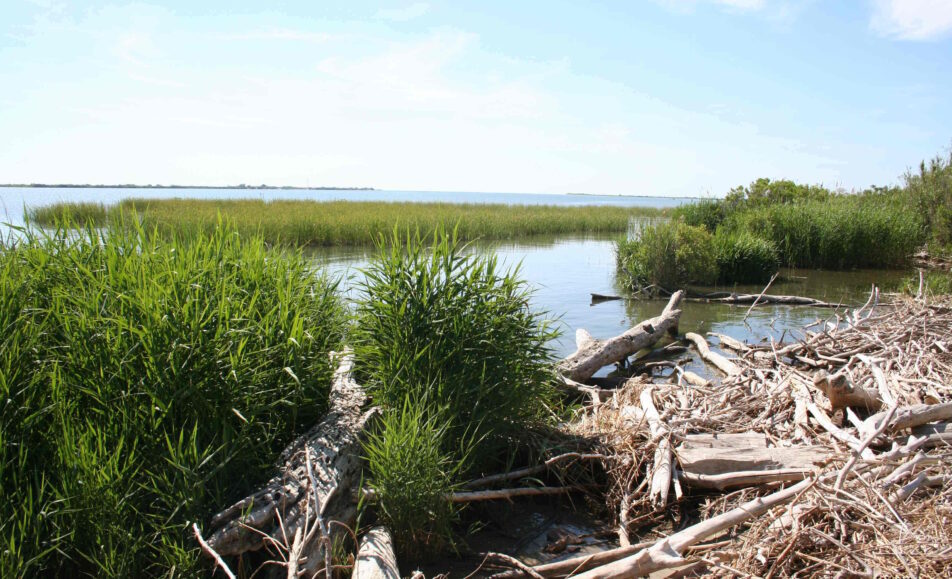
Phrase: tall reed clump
x=930 y=191
x=667 y=255
x=447 y=344
x=145 y=382
x=330 y=223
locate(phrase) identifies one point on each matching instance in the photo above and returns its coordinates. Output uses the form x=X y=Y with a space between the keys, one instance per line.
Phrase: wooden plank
x=720 y=440
x=716 y=461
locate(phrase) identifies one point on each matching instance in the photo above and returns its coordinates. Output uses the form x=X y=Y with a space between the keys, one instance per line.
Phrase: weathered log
x=747 y=478
x=668 y=552
x=936 y=434
x=843 y=393
x=729 y=342
x=593 y=355
x=720 y=362
x=661 y=465
x=599 y=298
x=722 y=440
x=910 y=416
x=333 y=448
x=737 y=299
x=375 y=557
x=714 y=461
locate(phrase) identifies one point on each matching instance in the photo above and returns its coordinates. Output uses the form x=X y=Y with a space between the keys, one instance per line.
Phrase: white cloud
x=911 y=19
x=405 y=13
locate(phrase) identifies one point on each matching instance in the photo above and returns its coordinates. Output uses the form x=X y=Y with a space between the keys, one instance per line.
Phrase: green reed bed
x=315 y=223
x=144 y=383
x=446 y=342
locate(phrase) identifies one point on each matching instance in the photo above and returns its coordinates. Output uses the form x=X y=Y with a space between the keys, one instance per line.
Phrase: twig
x=219 y=562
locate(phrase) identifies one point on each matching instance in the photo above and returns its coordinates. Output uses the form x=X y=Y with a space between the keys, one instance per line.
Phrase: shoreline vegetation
x=756 y=229
x=330 y=223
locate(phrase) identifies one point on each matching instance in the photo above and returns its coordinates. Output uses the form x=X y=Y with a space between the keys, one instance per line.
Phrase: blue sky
x=659 y=97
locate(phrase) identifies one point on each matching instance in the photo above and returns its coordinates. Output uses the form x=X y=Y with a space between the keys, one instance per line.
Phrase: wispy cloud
x=405 y=13
x=912 y=19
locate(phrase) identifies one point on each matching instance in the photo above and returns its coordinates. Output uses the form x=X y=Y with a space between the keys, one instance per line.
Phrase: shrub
x=445 y=330
x=745 y=258
x=668 y=255
x=146 y=383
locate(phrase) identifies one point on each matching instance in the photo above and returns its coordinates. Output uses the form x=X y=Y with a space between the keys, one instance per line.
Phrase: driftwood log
x=722 y=363
x=375 y=557
x=286 y=504
x=593 y=355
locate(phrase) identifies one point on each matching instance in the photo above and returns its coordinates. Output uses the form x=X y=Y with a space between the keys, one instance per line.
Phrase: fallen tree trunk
x=770 y=299
x=910 y=416
x=593 y=355
x=285 y=504
x=720 y=362
x=375 y=557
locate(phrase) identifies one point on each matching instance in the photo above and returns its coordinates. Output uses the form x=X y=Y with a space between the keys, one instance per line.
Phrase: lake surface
x=14 y=199
x=565 y=272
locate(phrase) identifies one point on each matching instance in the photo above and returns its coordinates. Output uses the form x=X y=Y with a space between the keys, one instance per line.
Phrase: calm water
x=14 y=199
x=565 y=272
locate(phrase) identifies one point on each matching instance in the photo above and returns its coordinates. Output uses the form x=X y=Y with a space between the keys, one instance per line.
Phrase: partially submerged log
x=720 y=362
x=593 y=355
x=375 y=557
x=285 y=504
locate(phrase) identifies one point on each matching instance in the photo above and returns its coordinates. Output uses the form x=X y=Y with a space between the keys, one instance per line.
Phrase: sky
x=652 y=97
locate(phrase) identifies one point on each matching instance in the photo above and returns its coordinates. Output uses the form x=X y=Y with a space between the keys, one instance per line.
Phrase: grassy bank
x=145 y=383
x=304 y=223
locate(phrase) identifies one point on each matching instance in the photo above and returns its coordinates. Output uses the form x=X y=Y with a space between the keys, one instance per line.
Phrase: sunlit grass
x=314 y=223
x=448 y=345
x=144 y=383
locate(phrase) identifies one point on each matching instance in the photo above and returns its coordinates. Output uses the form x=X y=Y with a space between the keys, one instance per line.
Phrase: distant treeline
x=327 y=223
x=132 y=186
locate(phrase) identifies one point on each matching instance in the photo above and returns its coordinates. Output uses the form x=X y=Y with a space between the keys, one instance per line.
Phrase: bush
x=445 y=330
x=146 y=383
x=668 y=255
x=745 y=258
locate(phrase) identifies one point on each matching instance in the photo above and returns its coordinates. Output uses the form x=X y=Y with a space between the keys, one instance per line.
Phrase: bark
x=333 y=446
x=375 y=557
x=592 y=355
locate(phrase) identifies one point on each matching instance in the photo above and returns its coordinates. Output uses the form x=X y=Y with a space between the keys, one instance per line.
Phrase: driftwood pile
x=825 y=456
x=828 y=456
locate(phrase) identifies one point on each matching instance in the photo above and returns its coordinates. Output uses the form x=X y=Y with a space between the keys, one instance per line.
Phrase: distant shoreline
x=238 y=187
